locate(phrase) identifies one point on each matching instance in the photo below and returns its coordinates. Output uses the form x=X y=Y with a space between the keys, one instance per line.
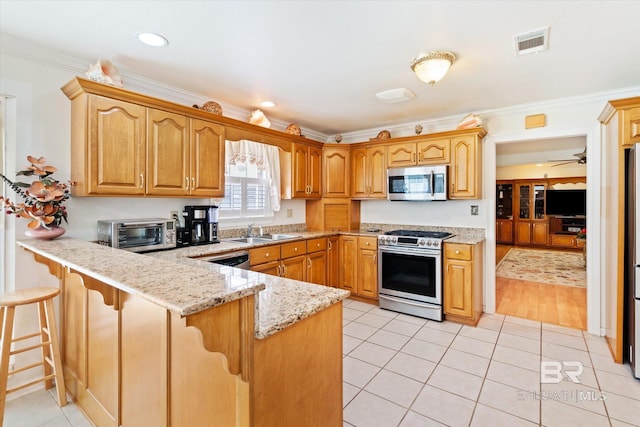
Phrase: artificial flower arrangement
x=43 y=198
x=582 y=234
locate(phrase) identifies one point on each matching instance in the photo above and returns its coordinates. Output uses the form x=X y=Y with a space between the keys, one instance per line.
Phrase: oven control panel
x=414 y=242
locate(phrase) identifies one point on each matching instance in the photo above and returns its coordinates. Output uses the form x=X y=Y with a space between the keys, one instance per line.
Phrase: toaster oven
x=138 y=235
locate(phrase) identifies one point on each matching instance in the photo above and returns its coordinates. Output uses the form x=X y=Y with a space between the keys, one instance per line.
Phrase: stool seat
x=27 y=296
x=51 y=362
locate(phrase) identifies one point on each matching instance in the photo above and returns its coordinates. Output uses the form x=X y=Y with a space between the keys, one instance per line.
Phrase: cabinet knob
x=318 y=245
x=457 y=252
x=295 y=249
x=266 y=254
x=366 y=243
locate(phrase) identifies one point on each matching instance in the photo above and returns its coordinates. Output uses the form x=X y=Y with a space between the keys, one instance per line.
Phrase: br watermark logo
x=551 y=371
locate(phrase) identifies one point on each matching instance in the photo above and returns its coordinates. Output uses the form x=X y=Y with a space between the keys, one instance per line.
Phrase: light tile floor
x=406 y=371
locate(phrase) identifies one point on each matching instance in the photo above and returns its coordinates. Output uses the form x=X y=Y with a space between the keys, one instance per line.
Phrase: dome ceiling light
x=153 y=39
x=433 y=66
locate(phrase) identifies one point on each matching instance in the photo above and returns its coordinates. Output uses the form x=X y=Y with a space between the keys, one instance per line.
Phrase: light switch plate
x=474 y=210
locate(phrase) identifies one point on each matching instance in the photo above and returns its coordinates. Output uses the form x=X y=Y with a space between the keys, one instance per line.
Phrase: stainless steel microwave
x=138 y=235
x=417 y=183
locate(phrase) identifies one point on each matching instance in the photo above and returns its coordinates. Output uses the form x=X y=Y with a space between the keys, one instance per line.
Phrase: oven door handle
x=409 y=251
x=403 y=301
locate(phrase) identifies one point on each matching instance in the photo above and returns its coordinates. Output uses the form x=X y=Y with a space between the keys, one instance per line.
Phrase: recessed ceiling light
x=267 y=104
x=153 y=39
x=539 y=164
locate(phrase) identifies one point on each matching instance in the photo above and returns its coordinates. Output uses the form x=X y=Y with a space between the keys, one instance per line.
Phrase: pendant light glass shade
x=433 y=66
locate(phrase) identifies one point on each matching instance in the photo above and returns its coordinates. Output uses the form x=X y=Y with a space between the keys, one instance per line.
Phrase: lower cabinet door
x=271 y=267
x=368 y=273
x=295 y=268
x=458 y=288
x=317 y=268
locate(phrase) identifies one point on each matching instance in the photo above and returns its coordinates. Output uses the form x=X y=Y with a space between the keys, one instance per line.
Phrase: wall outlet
x=474 y=210
x=289 y=213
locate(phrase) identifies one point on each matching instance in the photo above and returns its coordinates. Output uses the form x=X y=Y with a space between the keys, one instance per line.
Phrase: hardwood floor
x=556 y=304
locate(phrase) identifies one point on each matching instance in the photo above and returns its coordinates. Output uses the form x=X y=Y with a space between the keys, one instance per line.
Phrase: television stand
x=563 y=230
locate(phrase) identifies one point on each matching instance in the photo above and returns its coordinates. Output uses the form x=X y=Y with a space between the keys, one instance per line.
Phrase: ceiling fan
x=580 y=160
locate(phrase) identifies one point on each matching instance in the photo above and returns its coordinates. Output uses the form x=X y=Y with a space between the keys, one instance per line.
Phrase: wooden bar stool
x=52 y=366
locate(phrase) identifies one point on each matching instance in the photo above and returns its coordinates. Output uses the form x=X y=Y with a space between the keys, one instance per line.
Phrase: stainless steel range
x=410 y=272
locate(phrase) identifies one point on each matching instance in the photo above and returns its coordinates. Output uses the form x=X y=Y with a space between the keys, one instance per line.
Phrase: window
x=246 y=192
x=252 y=180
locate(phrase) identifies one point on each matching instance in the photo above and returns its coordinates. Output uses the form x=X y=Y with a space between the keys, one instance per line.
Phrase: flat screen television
x=566 y=202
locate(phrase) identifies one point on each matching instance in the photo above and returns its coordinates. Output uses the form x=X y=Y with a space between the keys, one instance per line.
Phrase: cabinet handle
x=413 y=157
x=419 y=157
x=186 y=182
x=141 y=180
x=278 y=270
x=330 y=245
x=193 y=183
x=284 y=270
x=308 y=262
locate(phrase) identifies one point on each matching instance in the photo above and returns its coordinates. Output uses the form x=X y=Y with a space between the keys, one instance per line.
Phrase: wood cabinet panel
x=348 y=262
x=378 y=172
x=288 y=250
x=463 y=282
x=540 y=232
x=307 y=171
x=401 y=155
x=337 y=173
x=333 y=261
x=465 y=177
x=338 y=214
x=317 y=267
x=315 y=245
x=272 y=267
x=143 y=342
x=359 y=178
x=367 y=272
x=167 y=154
x=457 y=298
x=504 y=231
x=369 y=173
x=264 y=254
x=563 y=240
x=114 y=162
x=294 y=268
x=437 y=151
x=207 y=159
x=523 y=232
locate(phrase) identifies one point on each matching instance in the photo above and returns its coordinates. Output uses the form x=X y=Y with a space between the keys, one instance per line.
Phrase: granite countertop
x=190 y=285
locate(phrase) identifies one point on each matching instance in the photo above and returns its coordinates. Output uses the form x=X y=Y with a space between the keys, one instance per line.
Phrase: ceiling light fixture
x=431 y=67
x=153 y=39
x=267 y=104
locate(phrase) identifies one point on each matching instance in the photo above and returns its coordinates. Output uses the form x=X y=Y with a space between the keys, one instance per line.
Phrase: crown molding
x=22 y=49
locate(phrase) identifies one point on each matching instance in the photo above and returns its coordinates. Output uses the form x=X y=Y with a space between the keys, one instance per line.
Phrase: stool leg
x=55 y=352
x=7 y=336
x=46 y=349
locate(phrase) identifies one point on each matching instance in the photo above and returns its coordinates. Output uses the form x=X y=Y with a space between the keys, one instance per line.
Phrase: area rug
x=553 y=267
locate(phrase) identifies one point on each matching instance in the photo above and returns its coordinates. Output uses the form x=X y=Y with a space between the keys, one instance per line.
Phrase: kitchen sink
x=280 y=236
x=251 y=240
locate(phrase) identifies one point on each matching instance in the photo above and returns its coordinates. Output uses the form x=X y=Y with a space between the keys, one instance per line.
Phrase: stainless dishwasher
x=239 y=259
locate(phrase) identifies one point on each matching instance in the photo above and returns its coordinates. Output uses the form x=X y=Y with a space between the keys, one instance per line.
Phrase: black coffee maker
x=201 y=225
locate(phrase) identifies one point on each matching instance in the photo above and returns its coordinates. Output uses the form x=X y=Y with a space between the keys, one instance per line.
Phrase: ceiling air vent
x=532 y=42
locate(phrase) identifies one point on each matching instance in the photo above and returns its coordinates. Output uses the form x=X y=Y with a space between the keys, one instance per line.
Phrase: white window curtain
x=266 y=157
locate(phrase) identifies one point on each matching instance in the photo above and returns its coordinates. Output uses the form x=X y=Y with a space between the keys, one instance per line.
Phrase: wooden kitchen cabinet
x=333 y=261
x=531 y=224
x=504 y=231
x=336 y=175
x=367 y=277
x=306 y=169
x=108 y=140
x=462 y=282
x=317 y=261
x=369 y=172
x=348 y=263
x=466 y=167
x=328 y=214
x=425 y=152
x=124 y=149
x=358 y=265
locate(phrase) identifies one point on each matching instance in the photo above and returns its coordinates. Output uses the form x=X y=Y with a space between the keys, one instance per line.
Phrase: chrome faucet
x=250 y=229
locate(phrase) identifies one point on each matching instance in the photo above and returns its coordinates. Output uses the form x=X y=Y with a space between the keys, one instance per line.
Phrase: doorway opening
x=540 y=233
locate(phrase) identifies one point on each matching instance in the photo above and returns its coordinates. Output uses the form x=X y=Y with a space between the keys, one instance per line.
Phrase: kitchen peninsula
x=151 y=341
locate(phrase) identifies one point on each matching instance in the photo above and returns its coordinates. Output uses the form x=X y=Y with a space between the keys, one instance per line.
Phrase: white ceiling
x=323 y=61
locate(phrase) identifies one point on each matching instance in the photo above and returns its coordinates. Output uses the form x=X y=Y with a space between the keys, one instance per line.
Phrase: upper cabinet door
x=436 y=151
x=167 y=154
x=115 y=162
x=401 y=155
x=299 y=153
x=377 y=172
x=464 y=177
x=314 y=172
x=207 y=159
x=359 y=181
x=336 y=176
